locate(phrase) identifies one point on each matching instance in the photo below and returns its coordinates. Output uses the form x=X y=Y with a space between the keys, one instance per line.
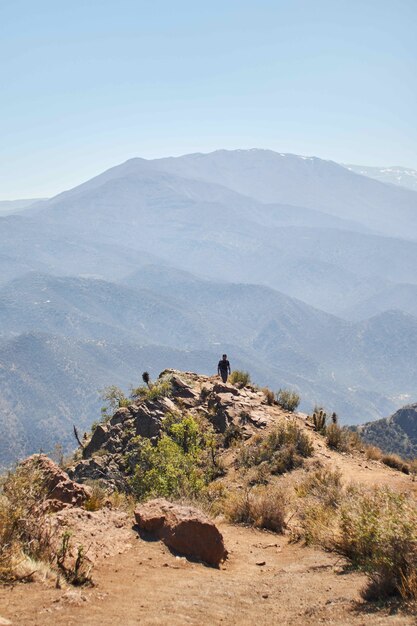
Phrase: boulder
x=184 y=529
x=59 y=487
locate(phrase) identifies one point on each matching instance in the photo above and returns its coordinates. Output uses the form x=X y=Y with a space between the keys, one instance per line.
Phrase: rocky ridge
x=105 y=453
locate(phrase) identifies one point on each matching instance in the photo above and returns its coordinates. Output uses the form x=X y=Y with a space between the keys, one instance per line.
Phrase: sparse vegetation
x=373 y=453
x=161 y=389
x=378 y=533
x=239 y=378
x=98 y=496
x=262 y=507
x=337 y=438
x=232 y=434
x=288 y=399
x=396 y=462
x=76 y=571
x=283 y=449
x=319 y=419
x=269 y=395
x=23 y=532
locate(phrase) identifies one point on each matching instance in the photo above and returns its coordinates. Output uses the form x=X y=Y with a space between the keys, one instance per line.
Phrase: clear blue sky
x=87 y=84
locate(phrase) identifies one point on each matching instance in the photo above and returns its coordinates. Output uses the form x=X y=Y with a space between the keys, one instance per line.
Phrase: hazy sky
x=87 y=84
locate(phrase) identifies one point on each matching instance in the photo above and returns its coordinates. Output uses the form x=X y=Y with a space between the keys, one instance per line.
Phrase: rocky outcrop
x=149 y=416
x=107 y=469
x=59 y=487
x=183 y=529
x=107 y=455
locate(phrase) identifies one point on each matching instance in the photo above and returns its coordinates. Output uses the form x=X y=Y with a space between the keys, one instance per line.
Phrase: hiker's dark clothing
x=224 y=369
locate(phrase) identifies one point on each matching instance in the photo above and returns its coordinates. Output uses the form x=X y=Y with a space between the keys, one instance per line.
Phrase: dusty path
x=265 y=581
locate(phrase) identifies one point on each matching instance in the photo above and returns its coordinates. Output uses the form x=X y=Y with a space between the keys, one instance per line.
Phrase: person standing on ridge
x=223 y=368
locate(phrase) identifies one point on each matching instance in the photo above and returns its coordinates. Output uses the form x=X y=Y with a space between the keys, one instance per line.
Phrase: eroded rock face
x=60 y=488
x=149 y=416
x=105 y=469
x=183 y=529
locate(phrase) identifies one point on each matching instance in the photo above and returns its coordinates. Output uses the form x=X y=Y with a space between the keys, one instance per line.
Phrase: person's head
x=224 y=357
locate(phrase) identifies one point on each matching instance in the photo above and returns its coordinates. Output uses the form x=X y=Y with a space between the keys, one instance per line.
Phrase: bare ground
x=266 y=580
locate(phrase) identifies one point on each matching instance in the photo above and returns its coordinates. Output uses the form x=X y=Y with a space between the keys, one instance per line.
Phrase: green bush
x=180 y=464
x=283 y=449
x=288 y=400
x=161 y=389
x=237 y=377
x=114 y=398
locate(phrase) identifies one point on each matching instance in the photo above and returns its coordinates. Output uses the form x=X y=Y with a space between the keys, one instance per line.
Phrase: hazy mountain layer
x=287 y=231
x=394 y=175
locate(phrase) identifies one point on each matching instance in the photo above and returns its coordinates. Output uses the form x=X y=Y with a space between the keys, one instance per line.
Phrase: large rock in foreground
x=59 y=487
x=184 y=529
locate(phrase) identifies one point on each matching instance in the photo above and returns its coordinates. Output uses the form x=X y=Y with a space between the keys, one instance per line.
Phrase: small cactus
x=319 y=420
x=334 y=418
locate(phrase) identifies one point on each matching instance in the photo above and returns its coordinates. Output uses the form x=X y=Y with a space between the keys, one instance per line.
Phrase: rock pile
x=60 y=489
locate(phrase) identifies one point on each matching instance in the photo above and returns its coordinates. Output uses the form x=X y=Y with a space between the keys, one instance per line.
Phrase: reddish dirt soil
x=266 y=580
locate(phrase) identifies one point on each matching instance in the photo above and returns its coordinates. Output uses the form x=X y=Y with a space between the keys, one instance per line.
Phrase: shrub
x=320 y=495
x=269 y=396
x=262 y=507
x=396 y=462
x=97 y=498
x=178 y=465
x=21 y=526
x=378 y=533
x=76 y=571
x=288 y=400
x=232 y=434
x=161 y=389
x=373 y=453
x=238 y=377
x=115 y=399
x=283 y=449
x=337 y=438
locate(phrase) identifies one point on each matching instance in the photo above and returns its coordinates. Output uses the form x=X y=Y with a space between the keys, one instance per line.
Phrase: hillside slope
x=397 y=433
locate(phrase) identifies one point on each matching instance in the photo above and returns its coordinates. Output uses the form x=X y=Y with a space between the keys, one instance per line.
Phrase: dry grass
x=269 y=395
x=24 y=531
x=373 y=453
x=396 y=462
x=262 y=507
x=378 y=533
x=98 y=496
x=29 y=542
x=337 y=438
x=376 y=530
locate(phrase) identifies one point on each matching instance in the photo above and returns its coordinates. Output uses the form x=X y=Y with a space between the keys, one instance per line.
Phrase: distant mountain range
x=395 y=175
x=7 y=207
x=303 y=270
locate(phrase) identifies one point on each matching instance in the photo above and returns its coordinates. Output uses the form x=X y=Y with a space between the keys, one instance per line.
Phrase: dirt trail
x=266 y=580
